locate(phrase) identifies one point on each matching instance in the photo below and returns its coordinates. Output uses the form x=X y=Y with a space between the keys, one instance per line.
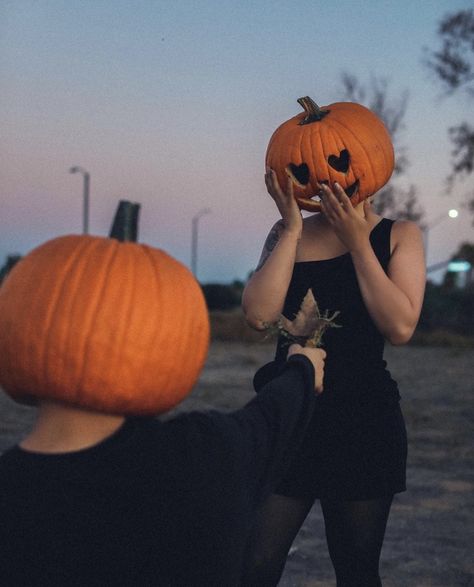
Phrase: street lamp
x=194 y=238
x=453 y=213
x=85 y=194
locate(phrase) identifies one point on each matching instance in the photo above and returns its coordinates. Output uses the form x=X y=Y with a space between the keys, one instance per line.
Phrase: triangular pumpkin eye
x=299 y=172
x=340 y=163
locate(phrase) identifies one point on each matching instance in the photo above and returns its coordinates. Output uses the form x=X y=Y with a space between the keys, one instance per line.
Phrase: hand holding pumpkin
x=285 y=202
x=343 y=142
x=352 y=229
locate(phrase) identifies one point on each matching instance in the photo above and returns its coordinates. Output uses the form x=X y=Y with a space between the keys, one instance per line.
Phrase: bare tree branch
x=391 y=200
x=453 y=65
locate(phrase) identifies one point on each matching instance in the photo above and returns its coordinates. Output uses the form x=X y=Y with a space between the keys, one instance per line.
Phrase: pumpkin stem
x=313 y=111
x=125 y=224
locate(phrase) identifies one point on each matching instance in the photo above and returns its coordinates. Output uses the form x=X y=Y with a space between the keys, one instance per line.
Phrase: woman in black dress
x=353 y=460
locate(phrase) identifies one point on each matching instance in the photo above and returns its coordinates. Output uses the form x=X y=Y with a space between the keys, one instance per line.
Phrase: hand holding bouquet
x=308 y=326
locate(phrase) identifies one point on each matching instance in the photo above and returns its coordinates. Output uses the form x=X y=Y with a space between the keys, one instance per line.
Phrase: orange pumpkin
x=343 y=142
x=113 y=326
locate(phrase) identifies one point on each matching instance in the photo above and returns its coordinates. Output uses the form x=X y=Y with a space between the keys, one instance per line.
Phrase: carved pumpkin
x=104 y=324
x=343 y=142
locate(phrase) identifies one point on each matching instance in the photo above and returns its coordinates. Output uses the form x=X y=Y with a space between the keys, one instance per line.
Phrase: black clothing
x=355 y=447
x=158 y=503
x=355 y=531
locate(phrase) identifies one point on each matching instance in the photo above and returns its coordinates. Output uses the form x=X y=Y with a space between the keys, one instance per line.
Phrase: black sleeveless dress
x=356 y=445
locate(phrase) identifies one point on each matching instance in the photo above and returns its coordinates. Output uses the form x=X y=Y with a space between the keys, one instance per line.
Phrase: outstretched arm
x=393 y=300
x=271 y=427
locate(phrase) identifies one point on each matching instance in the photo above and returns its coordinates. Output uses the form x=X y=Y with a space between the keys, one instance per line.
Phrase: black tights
x=354 y=532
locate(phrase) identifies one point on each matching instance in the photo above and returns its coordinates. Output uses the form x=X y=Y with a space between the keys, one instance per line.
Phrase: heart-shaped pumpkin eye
x=299 y=172
x=340 y=163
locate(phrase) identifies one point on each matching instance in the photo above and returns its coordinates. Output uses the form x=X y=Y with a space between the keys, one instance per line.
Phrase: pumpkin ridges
x=317 y=132
x=370 y=167
x=164 y=341
x=122 y=280
x=371 y=173
x=132 y=306
x=330 y=145
x=103 y=386
x=360 y=143
x=36 y=319
x=357 y=133
x=134 y=335
x=178 y=297
x=108 y=343
x=374 y=138
x=94 y=307
x=58 y=341
x=312 y=205
x=167 y=341
x=153 y=293
x=71 y=311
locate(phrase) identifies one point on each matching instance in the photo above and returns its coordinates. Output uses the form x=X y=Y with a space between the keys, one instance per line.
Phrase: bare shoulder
x=406 y=233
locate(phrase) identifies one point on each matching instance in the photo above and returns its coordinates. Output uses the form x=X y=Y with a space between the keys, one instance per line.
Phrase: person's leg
x=277 y=524
x=355 y=531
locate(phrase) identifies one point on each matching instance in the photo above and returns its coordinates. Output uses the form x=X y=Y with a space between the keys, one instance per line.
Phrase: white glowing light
x=453 y=213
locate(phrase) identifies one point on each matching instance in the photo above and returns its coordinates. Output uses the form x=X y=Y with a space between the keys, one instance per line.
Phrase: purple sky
x=171 y=104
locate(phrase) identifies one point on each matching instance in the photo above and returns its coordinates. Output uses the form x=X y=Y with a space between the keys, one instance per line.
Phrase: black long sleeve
x=158 y=503
x=269 y=429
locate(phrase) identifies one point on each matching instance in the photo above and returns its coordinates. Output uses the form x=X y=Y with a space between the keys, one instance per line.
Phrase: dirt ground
x=430 y=534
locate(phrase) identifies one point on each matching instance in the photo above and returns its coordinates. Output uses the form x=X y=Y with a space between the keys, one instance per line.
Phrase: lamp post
x=453 y=213
x=85 y=196
x=194 y=238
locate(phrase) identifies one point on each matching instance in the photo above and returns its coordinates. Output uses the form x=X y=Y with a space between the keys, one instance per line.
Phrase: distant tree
x=453 y=66
x=392 y=200
x=448 y=308
x=220 y=296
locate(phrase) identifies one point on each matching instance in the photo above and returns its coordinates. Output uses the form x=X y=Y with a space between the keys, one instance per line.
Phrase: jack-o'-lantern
x=343 y=142
x=104 y=324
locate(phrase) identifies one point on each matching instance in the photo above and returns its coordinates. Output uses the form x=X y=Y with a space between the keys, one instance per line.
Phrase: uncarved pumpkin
x=113 y=326
x=343 y=142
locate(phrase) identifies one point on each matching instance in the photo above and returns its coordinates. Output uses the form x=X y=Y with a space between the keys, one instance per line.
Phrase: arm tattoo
x=271 y=242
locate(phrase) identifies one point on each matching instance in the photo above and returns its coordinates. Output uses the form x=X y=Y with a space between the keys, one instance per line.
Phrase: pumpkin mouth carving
x=352 y=189
x=300 y=174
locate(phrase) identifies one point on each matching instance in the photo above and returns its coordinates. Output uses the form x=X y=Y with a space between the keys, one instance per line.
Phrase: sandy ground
x=430 y=535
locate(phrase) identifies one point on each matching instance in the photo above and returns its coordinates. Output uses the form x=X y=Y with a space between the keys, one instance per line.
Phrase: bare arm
x=393 y=301
x=265 y=292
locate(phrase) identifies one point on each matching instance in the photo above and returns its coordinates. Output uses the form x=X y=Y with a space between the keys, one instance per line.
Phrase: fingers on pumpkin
x=328 y=196
x=333 y=206
x=270 y=180
x=289 y=187
x=326 y=206
x=343 y=197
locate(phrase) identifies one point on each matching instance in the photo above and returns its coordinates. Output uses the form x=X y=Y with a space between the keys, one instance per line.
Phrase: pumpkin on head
x=343 y=142
x=103 y=324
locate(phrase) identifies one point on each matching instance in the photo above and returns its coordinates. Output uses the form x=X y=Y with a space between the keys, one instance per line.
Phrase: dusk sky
x=172 y=103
